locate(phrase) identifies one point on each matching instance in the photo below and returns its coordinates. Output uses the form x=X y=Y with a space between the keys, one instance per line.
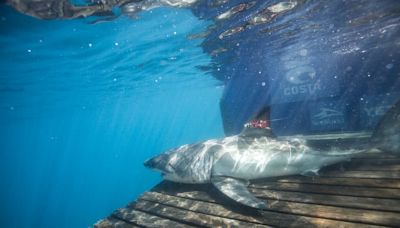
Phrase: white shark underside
x=229 y=163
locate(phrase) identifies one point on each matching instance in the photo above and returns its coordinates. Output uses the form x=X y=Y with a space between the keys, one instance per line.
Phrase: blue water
x=82 y=106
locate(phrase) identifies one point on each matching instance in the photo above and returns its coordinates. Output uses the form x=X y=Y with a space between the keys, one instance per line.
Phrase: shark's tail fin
x=386 y=136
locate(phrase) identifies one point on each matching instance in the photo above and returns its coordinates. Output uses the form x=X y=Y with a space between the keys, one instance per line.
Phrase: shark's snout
x=148 y=163
x=159 y=162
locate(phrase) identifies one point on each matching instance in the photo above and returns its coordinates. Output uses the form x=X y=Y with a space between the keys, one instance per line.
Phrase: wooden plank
x=315 y=198
x=330 y=200
x=339 y=213
x=111 y=222
x=145 y=219
x=385 y=193
x=272 y=218
x=363 y=174
x=313 y=210
x=156 y=204
x=339 y=181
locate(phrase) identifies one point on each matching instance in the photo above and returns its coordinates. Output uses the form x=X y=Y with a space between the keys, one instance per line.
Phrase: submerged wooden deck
x=362 y=193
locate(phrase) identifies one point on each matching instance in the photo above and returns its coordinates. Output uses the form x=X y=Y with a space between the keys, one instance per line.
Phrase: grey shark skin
x=230 y=163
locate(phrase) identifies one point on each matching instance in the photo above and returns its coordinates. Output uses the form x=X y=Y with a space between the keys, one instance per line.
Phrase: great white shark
x=229 y=163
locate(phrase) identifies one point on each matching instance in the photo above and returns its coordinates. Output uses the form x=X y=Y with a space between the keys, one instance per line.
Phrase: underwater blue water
x=82 y=106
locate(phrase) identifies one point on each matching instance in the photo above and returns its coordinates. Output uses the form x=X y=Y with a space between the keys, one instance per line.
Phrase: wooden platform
x=362 y=193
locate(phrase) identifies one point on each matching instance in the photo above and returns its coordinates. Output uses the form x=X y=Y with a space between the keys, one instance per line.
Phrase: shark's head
x=168 y=164
x=186 y=164
x=160 y=163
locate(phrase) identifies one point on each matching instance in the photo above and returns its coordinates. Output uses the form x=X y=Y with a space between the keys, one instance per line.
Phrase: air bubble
x=303 y=52
x=389 y=66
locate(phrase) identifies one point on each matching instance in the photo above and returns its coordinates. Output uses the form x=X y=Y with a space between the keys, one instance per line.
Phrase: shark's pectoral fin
x=236 y=189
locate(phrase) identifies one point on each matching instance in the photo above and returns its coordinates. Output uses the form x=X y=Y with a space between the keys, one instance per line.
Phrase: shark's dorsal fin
x=236 y=189
x=258 y=126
